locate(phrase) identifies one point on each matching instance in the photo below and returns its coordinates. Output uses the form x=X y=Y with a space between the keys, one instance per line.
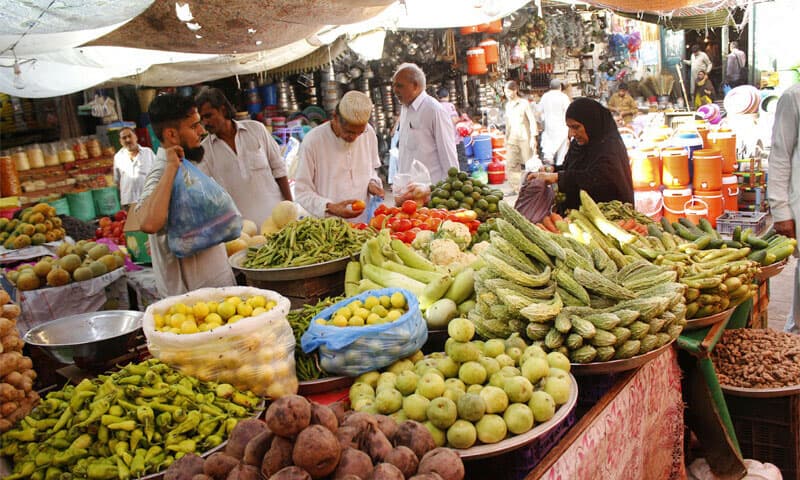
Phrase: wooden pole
x=683 y=87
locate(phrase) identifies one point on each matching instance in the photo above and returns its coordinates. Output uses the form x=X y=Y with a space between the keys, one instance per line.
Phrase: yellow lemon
x=371 y=301
x=393 y=315
x=190 y=316
x=258 y=311
x=257 y=301
x=345 y=312
x=339 y=321
x=271 y=304
x=200 y=310
x=373 y=319
x=158 y=319
x=244 y=309
x=179 y=308
x=385 y=301
x=235 y=318
x=176 y=319
x=362 y=312
x=355 y=304
x=213 y=318
x=234 y=300
x=378 y=309
x=226 y=310
x=189 y=326
x=321 y=321
x=398 y=300
x=175 y=330
x=204 y=327
x=356 y=322
x=212 y=325
x=212 y=307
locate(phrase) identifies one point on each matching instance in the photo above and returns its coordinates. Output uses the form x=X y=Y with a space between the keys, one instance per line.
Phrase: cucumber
x=702 y=242
x=768 y=234
x=756 y=242
x=654 y=231
x=737 y=234
x=684 y=232
x=715 y=243
x=732 y=243
x=758 y=256
x=705 y=226
x=782 y=249
x=667 y=226
x=691 y=226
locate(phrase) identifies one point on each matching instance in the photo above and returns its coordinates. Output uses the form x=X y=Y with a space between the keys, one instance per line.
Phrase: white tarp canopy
x=165 y=43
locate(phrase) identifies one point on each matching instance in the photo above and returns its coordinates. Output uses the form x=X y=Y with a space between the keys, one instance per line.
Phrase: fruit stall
x=435 y=342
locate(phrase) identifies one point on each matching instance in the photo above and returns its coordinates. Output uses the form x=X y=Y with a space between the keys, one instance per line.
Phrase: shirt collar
x=418 y=101
x=236 y=125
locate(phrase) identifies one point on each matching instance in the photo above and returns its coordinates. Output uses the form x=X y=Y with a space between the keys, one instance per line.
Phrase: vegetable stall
x=441 y=334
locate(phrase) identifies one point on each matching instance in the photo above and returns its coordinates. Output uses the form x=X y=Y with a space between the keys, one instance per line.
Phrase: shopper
x=132 y=163
x=597 y=160
x=521 y=131
x=425 y=128
x=338 y=161
x=704 y=90
x=783 y=188
x=698 y=61
x=443 y=95
x=551 y=111
x=242 y=156
x=623 y=104
x=177 y=125
x=736 y=66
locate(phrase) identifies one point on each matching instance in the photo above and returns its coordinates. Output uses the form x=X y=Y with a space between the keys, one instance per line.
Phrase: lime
x=386 y=301
x=467 y=189
x=482 y=203
x=492 y=199
x=213 y=318
x=371 y=301
x=374 y=319
x=226 y=310
x=244 y=309
x=476 y=194
x=479 y=212
x=446 y=186
x=469 y=201
x=452 y=172
x=398 y=300
x=176 y=319
x=458 y=195
x=492 y=208
x=462 y=176
x=452 y=204
x=188 y=326
x=457 y=185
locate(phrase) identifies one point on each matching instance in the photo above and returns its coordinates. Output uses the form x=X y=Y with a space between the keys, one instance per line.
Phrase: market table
x=634 y=431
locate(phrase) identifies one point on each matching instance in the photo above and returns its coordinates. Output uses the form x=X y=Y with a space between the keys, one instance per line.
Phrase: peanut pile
x=757 y=358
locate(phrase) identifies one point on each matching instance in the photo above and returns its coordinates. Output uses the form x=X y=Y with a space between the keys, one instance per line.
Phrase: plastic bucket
x=476 y=61
x=81 y=205
x=491 y=51
x=675 y=168
x=707 y=170
x=498 y=140
x=646 y=169
x=725 y=142
x=61 y=205
x=495 y=26
x=649 y=202
x=691 y=141
x=468 y=141
x=106 y=201
x=715 y=203
x=730 y=192
x=675 y=203
x=695 y=210
x=482 y=147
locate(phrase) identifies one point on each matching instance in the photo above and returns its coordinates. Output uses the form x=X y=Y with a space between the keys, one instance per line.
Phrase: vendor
x=243 y=157
x=177 y=125
x=132 y=163
x=425 y=128
x=338 y=161
x=623 y=104
x=521 y=131
x=597 y=160
x=704 y=90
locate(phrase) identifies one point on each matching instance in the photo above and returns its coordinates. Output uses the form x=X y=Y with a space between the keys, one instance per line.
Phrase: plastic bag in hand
x=201 y=213
x=355 y=350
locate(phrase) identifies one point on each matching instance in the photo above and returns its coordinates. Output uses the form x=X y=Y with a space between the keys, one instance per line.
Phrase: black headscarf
x=601 y=165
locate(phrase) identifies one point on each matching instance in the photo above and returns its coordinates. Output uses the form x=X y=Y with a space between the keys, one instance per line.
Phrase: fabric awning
x=716 y=19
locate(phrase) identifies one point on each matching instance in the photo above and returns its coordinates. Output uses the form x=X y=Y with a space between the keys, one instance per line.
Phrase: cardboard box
x=136 y=240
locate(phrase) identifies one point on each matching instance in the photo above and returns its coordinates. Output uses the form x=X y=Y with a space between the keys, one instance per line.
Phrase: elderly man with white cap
x=337 y=162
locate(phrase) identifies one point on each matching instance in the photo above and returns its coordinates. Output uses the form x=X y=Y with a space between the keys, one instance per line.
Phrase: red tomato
x=409 y=207
x=433 y=223
x=438 y=213
x=105 y=221
x=121 y=215
x=403 y=225
x=410 y=236
x=400 y=236
x=393 y=211
x=416 y=222
x=381 y=210
x=98 y=233
x=377 y=221
x=423 y=210
x=473 y=225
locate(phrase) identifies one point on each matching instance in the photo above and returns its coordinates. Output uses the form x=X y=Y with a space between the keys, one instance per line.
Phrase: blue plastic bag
x=352 y=351
x=201 y=213
x=374 y=202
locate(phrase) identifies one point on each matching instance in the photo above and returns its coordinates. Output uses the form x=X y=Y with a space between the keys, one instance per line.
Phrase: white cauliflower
x=422 y=242
x=457 y=232
x=479 y=247
x=444 y=251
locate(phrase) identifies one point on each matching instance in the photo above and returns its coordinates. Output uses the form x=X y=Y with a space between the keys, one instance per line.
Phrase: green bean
x=305 y=364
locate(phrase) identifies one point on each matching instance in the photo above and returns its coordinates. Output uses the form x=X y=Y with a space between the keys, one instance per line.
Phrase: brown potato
x=386 y=471
x=244 y=472
x=201 y=476
x=277 y=457
x=317 y=451
x=185 y=467
x=353 y=462
x=375 y=443
x=361 y=421
x=339 y=409
x=426 y=476
x=443 y=461
x=288 y=415
x=404 y=459
x=219 y=465
x=322 y=415
x=387 y=425
x=348 y=436
x=257 y=447
x=291 y=473
x=242 y=433
x=415 y=436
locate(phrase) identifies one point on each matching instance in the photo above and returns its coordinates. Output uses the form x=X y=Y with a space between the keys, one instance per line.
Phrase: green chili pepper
x=152 y=452
x=127 y=425
x=69 y=456
x=25 y=470
x=24 y=435
x=138 y=464
x=185 y=446
x=130 y=380
x=84 y=441
x=52 y=473
x=98 y=409
x=123 y=473
x=136 y=436
x=109 y=419
x=100 y=471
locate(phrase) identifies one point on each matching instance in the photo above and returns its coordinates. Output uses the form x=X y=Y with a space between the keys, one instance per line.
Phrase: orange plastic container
x=695 y=210
x=725 y=142
x=492 y=50
x=707 y=170
x=702 y=129
x=497 y=172
x=715 y=203
x=675 y=203
x=646 y=169
x=675 y=168
x=730 y=192
x=498 y=140
x=469 y=30
x=476 y=61
x=495 y=26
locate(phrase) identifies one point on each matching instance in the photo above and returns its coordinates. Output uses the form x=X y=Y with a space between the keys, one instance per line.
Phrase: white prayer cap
x=355 y=108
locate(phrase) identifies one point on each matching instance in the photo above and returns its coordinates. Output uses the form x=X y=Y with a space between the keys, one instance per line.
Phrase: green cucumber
x=756 y=242
x=737 y=234
x=667 y=226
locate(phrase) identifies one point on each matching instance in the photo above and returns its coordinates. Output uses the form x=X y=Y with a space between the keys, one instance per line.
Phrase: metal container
x=87 y=338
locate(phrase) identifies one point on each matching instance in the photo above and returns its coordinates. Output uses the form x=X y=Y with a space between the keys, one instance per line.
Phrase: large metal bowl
x=87 y=338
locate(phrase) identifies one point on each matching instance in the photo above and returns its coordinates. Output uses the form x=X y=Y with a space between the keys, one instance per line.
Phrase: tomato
x=433 y=223
x=381 y=210
x=358 y=206
x=410 y=235
x=121 y=215
x=416 y=222
x=403 y=225
x=377 y=221
x=409 y=207
x=98 y=233
x=105 y=221
x=393 y=211
x=400 y=236
x=438 y=213
x=360 y=226
x=473 y=225
x=423 y=210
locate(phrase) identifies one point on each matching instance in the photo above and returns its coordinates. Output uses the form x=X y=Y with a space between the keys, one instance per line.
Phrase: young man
x=699 y=61
x=521 y=131
x=177 y=125
x=338 y=162
x=243 y=157
x=623 y=104
x=552 y=109
x=132 y=163
x=736 y=66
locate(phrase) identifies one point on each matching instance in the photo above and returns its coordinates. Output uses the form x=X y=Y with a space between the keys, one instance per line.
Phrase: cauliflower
x=422 y=242
x=457 y=232
x=480 y=246
x=444 y=251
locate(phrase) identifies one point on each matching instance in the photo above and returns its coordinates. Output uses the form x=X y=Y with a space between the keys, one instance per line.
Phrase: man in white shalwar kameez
x=338 y=161
x=552 y=109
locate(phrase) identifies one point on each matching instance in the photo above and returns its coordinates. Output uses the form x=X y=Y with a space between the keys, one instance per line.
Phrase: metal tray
x=323 y=385
x=518 y=441
x=770 y=271
x=291 y=273
x=761 y=392
x=614 y=366
x=696 y=323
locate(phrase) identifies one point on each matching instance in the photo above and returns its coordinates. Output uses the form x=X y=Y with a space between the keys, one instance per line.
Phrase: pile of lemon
x=374 y=310
x=206 y=316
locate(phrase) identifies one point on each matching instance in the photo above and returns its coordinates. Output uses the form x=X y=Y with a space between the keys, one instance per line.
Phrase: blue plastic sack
x=352 y=351
x=201 y=213
x=374 y=202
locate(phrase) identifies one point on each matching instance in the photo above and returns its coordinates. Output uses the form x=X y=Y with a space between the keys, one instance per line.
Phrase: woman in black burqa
x=597 y=160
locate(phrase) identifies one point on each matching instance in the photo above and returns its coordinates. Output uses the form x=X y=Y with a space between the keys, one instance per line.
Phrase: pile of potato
x=301 y=440
x=17 y=396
